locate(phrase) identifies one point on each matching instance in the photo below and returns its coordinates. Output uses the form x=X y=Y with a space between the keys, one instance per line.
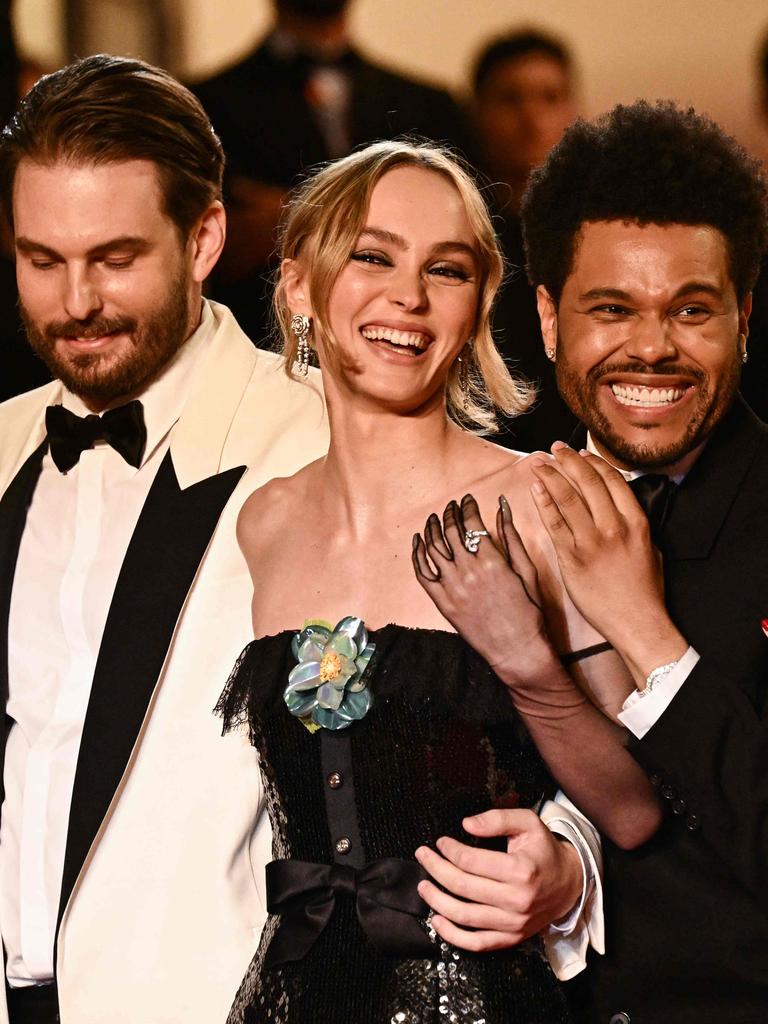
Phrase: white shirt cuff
x=566 y=942
x=642 y=710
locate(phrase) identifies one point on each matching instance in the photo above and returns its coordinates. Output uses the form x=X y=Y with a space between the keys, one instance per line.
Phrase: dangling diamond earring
x=463 y=361
x=300 y=326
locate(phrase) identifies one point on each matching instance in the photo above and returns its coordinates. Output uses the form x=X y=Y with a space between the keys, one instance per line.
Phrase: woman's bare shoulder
x=265 y=512
x=503 y=470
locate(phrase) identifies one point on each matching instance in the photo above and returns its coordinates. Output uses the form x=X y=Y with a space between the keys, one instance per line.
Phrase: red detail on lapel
x=764 y=624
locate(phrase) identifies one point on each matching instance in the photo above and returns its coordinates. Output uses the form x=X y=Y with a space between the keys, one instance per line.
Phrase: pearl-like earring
x=300 y=326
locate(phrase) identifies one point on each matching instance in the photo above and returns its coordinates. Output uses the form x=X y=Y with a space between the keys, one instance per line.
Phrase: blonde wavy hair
x=329 y=209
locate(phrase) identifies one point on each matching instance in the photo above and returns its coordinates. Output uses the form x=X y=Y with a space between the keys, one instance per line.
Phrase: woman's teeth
x=646 y=397
x=403 y=339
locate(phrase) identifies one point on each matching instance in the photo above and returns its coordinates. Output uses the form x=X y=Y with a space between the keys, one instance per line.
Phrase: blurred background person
x=303 y=96
x=760 y=145
x=524 y=97
x=20 y=369
x=754 y=376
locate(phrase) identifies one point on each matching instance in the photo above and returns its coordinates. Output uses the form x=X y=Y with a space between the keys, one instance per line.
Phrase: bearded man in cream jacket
x=127 y=828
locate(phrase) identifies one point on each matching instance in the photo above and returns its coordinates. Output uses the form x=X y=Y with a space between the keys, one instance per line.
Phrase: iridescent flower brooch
x=327 y=689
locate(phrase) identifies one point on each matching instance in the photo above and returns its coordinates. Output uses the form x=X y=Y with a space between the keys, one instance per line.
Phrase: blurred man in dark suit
x=303 y=96
x=523 y=100
x=20 y=369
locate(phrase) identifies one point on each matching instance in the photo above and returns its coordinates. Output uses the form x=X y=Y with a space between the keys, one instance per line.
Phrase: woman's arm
x=491 y=597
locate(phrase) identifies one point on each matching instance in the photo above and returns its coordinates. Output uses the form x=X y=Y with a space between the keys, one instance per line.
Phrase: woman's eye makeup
x=450 y=271
x=374 y=258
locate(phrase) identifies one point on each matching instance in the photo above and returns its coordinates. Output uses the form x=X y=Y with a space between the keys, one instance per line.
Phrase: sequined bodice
x=441 y=741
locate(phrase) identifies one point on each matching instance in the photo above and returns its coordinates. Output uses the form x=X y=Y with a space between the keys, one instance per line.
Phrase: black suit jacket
x=686 y=922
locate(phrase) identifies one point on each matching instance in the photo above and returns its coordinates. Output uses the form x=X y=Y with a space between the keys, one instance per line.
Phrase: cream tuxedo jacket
x=161 y=910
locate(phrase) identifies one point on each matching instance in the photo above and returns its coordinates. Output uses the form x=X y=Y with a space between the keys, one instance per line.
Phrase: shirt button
x=343 y=845
x=692 y=822
x=334 y=780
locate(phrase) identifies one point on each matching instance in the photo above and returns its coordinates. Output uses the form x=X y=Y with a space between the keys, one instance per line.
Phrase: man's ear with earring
x=743 y=348
x=548 y=316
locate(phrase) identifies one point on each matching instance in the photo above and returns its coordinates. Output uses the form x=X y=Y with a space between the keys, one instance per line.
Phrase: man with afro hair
x=645 y=230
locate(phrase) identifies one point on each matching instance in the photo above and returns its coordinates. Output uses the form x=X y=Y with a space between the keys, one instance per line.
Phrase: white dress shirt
x=642 y=710
x=566 y=942
x=76 y=535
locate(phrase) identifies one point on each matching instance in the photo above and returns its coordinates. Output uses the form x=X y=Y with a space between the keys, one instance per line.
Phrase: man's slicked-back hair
x=106 y=109
x=647 y=164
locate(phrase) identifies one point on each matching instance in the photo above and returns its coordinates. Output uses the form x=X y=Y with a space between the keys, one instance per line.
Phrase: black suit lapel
x=168 y=544
x=705 y=496
x=13 y=515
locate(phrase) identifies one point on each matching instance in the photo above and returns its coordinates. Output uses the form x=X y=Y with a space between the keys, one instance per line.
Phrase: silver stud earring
x=300 y=326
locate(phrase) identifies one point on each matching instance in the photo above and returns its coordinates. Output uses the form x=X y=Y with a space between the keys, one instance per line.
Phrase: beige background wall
x=695 y=51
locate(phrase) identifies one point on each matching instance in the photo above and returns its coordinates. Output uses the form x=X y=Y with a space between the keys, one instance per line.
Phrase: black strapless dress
x=351 y=944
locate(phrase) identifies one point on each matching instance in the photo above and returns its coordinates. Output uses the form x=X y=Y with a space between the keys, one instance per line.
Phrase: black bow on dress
x=387 y=904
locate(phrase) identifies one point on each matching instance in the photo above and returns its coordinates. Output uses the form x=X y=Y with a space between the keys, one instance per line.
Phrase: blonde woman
x=379 y=728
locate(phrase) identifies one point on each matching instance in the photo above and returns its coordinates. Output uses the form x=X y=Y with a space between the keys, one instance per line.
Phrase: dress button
x=668 y=792
x=620 y=1018
x=678 y=807
x=692 y=822
x=334 y=780
x=343 y=845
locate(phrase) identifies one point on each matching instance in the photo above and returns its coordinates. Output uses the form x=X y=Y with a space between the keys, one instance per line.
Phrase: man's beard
x=581 y=394
x=101 y=378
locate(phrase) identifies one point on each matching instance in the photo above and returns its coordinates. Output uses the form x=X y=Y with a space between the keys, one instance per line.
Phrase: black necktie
x=70 y=435
x=654 y=492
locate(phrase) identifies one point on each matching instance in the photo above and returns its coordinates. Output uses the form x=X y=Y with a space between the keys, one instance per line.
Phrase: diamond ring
x=472 y=540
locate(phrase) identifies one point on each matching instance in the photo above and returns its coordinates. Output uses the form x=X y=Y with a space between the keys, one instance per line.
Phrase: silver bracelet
x=655 y=677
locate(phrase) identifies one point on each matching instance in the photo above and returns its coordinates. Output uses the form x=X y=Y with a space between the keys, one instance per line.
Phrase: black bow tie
x=654 y=492
x=70 y=435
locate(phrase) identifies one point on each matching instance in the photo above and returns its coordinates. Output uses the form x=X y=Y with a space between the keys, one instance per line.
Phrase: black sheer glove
x=488 y=592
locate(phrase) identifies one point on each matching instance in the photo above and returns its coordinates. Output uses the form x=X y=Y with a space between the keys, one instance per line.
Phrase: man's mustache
x=94 y=327
x=665 y=370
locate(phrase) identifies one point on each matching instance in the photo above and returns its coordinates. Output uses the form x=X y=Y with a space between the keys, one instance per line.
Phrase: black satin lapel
x=14 y=506
x=170 y=539
x=705 y=496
